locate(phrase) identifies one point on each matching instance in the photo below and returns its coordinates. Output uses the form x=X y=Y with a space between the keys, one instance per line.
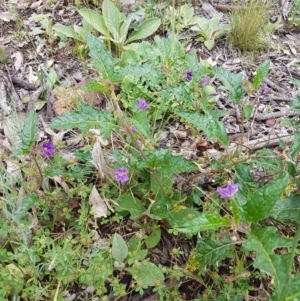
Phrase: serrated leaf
x=119 y=249
x=131 y=204
x=288 y=208
x=204 y=222
x=264 y=241
x=95 y=20
x=261 y=73
x=210 y=252
x=103 y=60
x=148 y=273
x=261 y=202
x=84 y=119
x=103 y=87
x=27 y=135
x=144 y=30
x=25 y=204
x=153 y=239
x=231 y=82
x=295 y=146
x=207 y=123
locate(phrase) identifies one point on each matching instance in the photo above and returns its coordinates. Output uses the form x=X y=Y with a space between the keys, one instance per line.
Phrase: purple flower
x=142 y=104
x=228 y=191
x=133 y=129
x=48 y=149
x=189 y=75
x=264 y=90
x=121 y=175
x=205 y=81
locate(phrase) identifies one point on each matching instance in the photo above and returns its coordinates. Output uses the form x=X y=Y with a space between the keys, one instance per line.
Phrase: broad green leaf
x=68 y=31
x=179 y=217
x=204 y=222
x=261 y=202
x=295 y=146
x=209 y=44
x=207 y=123
x=124 y=29
x=248 y=111
x=95 y=20
x=113 y=19
x=267 y=159
x=131 y=204
x=153 y=239
x=288 y=208
x=146 y=71
x=84 y=119
x=148 y=273
x=161 y=182
x=210 y=252
x=261 y=73
x=119 y=249
x=144 y=30
x=103 y=60
x=264 y=241
x=295 y=104
x=27 y=135
x=231 y=82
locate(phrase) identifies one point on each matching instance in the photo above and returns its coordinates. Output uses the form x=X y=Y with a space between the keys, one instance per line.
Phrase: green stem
x=289 y=274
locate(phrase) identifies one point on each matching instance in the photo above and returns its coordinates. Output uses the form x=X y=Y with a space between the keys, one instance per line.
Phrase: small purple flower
x=48 y=149
x=143 y=104
x=133 y=129
x=121 y=175
x=228 y=191
x=205 y=81
x=264 y=90
x=189 y=75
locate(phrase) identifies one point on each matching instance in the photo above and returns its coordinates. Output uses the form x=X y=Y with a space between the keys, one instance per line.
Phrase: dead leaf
x=7 y=16
x=14 y=171
x=32 y=78
x=98 y=203
x=18 y=60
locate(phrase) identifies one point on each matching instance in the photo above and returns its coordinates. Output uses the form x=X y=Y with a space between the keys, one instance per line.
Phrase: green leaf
x=210 y=252
x=163 y=160
x=209 y=44
x=68 y=31
x=178 y=218
x=84 y=119
x=295 y=104
x=207 y=123
x=206 y=221
x=119 y=249
x=264 y=241
x=248 y=111
x=261 y=202
x=144 y=30
x=153 y=239
x=25 y=205
x=231 y=82
x=131 y=204
x=103 y=60
x=148 y=273
x=288 y=208
x=27 y=135
x=295 y=81
x=95 y=20
x=113 y=19
x=261 y=73
x=97 y=86
x=295 y=146
x=261 y=159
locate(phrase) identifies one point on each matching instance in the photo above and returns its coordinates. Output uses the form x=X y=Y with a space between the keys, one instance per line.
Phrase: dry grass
x=250 y=25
